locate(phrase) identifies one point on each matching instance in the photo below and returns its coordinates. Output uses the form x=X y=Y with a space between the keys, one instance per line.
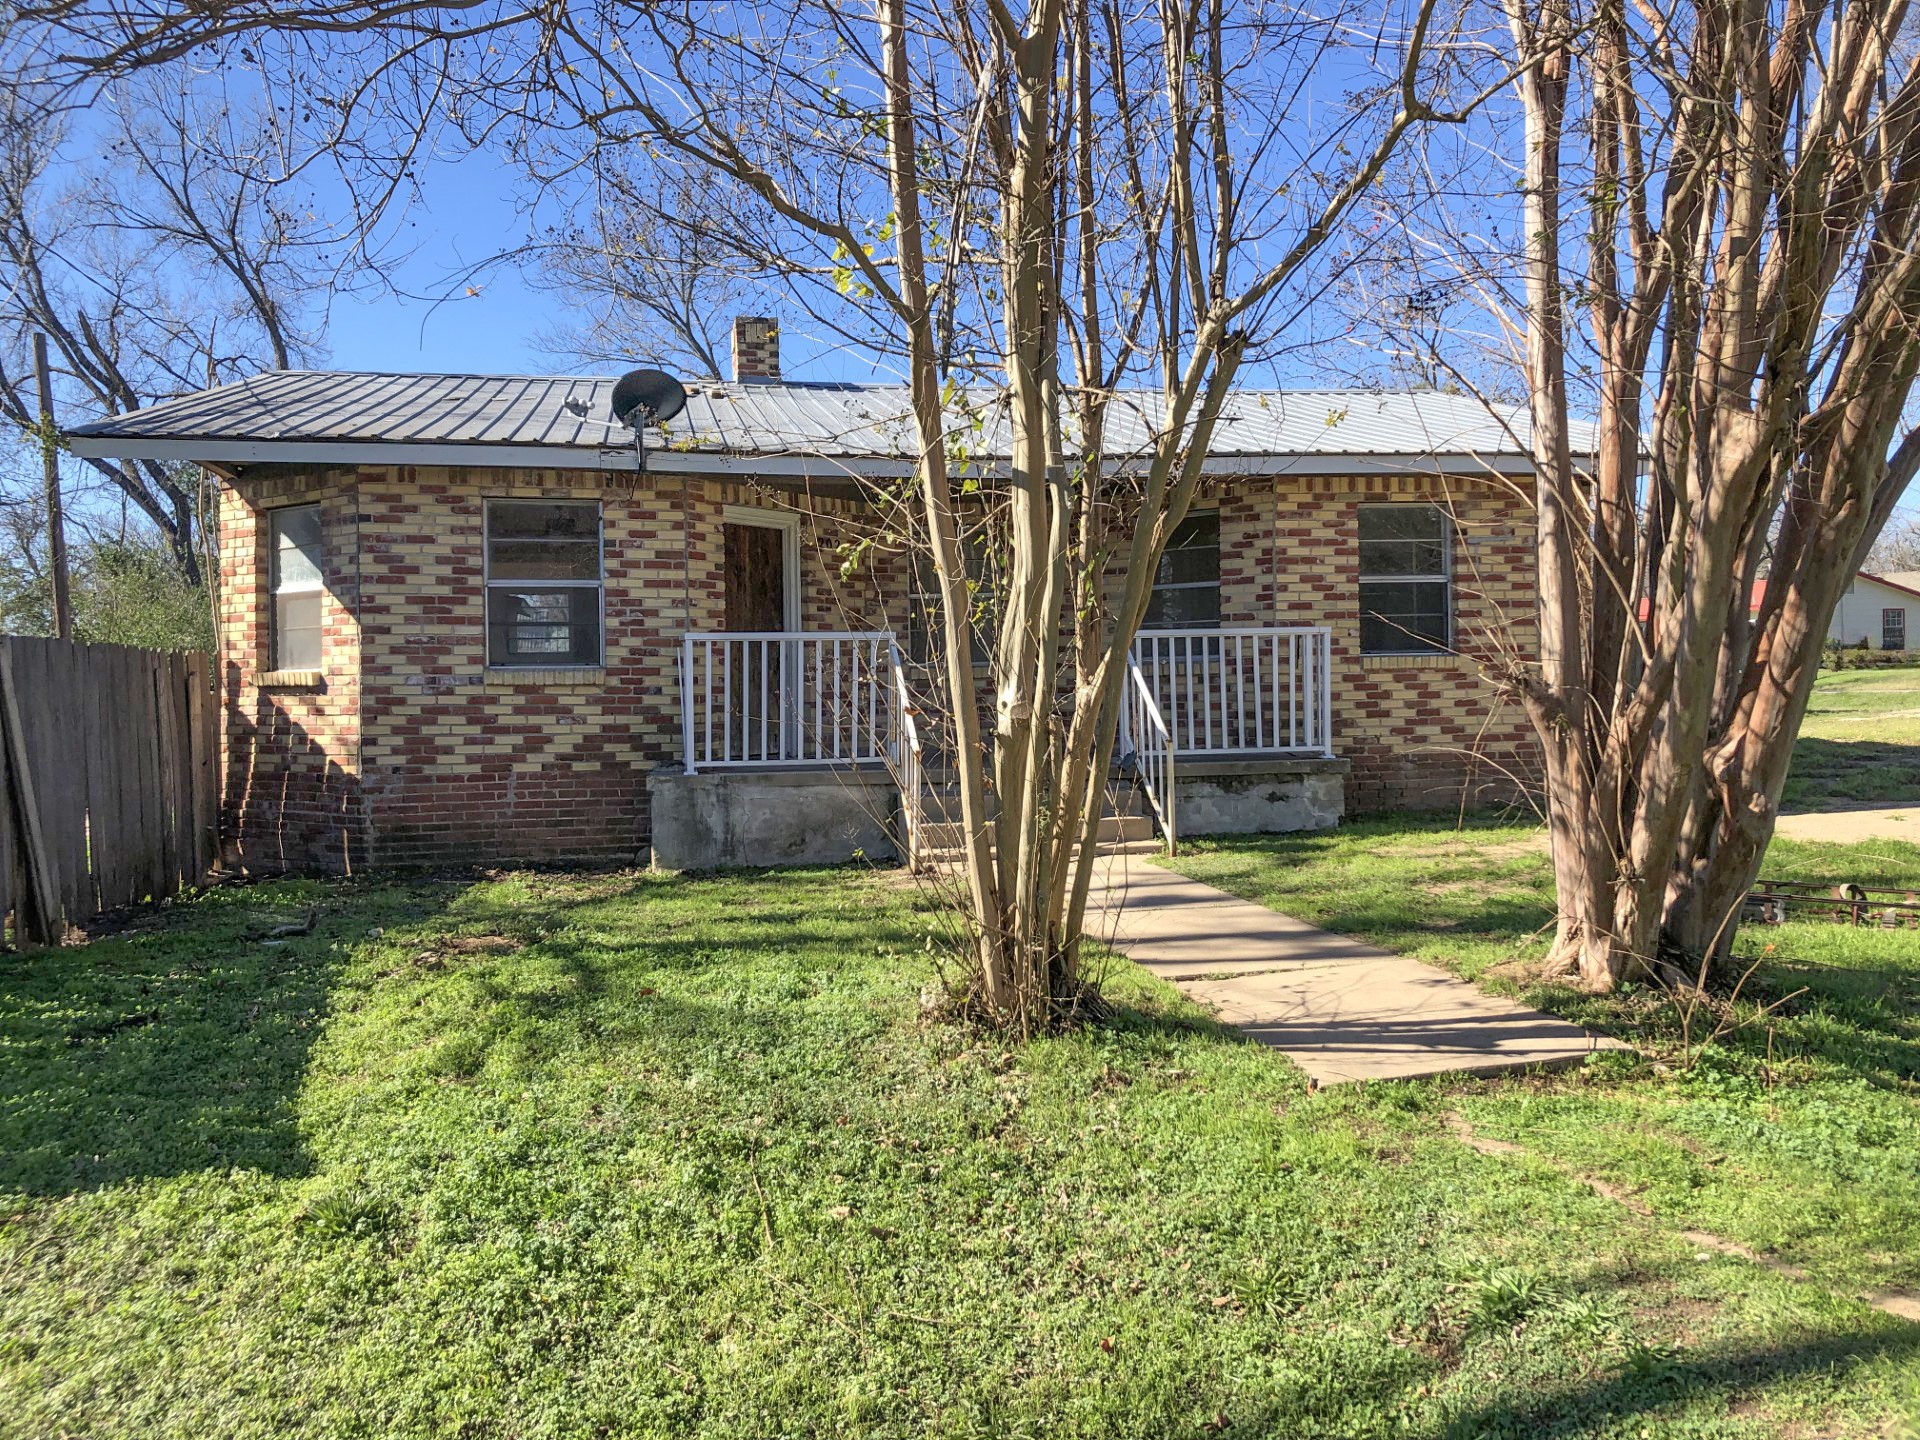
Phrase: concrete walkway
x=1342 y=1010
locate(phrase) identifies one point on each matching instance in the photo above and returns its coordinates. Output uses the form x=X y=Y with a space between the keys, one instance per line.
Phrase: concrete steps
x=950 y=859
x=942 y=840
x=1125 y=826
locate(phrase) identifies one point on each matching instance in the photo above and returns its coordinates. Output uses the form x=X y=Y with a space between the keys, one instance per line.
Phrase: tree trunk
x=1667 y=716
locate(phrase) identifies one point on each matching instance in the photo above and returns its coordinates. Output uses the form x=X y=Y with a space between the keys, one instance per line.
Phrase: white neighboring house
x=1880 y=611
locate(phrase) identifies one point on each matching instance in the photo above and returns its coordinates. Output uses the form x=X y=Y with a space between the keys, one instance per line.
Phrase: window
x=543 y=583
x=924 y=634
x=1893 y=629
x=1186 y=587
x=297 y=586
x=1406 y=590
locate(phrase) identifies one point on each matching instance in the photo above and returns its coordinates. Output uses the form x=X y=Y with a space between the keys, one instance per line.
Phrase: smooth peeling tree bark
x=1749 y=263
x=996 y=979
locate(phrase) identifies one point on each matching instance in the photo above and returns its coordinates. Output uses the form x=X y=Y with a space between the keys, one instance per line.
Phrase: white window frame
x=1445 y=577
x=276 y=661
x=788 y=524
x=489 y=584
x=1887 y=612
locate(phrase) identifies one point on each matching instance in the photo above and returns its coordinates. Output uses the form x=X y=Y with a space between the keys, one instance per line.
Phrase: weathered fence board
x=203 y=720
x=10 y=885
x=108 y=781
x=36 y=903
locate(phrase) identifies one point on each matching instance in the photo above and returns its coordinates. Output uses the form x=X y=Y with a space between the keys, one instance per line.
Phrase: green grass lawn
x=1798 y=1135
x=629 y=1155
x=1860 y=743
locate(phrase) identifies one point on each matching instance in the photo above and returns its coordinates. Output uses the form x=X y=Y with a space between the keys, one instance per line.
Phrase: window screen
x=543 y=583
x=297 y=588
x=1893 y=629
x=1186 y=587
x=1406 y=586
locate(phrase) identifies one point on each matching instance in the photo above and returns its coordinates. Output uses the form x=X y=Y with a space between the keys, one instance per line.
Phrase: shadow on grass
x=1501 y=918
x=183 y=1047
x=180 y=1045
x=1854 y=772
x=1861 y=1017
x=1665 y=1383
x=152 y=1055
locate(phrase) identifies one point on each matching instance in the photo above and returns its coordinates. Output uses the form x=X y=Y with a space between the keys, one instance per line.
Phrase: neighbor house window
x=1893 y=629
x=297 y=587
x=1186 y=587
x=543 y=582
x=1406 y=586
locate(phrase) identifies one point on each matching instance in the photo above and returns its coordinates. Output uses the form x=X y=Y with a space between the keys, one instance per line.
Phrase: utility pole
x=56 y=521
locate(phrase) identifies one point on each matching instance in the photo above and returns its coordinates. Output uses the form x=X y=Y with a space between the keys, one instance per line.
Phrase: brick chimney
x=756 y=349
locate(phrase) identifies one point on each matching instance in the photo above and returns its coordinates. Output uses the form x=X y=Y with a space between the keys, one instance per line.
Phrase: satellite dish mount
x=646 y=397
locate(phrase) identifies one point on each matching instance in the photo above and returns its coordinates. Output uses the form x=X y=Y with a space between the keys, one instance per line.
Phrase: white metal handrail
x=785 y=697
x=1241 y=689
x=909 y=771
x=1150 y=747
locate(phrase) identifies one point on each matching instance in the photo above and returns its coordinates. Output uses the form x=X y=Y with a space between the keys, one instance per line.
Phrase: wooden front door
x=756 y=576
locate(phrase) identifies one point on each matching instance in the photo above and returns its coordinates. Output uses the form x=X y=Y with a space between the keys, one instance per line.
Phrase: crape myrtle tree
x=1031 y=214
x=1711 y=251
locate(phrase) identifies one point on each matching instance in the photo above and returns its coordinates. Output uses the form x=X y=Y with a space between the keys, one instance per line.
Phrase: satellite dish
x=647 y=397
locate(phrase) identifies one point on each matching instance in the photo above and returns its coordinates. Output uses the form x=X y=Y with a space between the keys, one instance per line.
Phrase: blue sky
x=464 y=217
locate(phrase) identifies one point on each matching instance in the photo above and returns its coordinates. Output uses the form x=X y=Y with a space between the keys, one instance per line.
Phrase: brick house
x=468 y=618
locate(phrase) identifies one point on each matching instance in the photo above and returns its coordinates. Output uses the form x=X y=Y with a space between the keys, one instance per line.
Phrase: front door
x=756 y=577
x=757 y=602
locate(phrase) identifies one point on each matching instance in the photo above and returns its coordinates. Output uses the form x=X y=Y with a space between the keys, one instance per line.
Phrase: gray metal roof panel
x=834 y=420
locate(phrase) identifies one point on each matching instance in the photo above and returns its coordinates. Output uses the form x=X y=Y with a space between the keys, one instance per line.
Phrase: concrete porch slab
x=731 y=817
x=1341 y=1009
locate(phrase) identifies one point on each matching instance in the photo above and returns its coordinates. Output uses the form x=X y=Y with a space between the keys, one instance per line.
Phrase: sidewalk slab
x=1343 y=1010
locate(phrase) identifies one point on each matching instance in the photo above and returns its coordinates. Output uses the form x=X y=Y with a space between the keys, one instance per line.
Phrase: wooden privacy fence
x=109 y=779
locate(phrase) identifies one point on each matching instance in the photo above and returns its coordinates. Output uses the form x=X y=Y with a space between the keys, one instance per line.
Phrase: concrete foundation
x=734 y=818
x=1258 y=796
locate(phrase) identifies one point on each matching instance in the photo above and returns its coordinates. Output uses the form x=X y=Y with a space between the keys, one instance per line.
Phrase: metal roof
x=346 y=417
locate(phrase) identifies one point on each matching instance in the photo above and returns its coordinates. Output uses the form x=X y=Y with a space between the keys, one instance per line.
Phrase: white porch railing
x=1240 y=690
x=1150 y=746
x=780 y=697
x=908 y=764
x=790 y=698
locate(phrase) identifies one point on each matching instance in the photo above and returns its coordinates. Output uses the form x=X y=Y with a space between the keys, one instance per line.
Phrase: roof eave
x=617 y=459
x=224 y=454
x=1890 y=584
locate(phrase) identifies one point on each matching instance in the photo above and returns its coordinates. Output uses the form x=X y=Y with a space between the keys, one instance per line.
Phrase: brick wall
x=1420 y=731
x=292 y=797
x=464 y=763
x=406 y=749
x=409 y=750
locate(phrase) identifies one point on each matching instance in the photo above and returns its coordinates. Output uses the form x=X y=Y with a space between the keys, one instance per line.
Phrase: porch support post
x=1325 y=669
x=686 y=705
